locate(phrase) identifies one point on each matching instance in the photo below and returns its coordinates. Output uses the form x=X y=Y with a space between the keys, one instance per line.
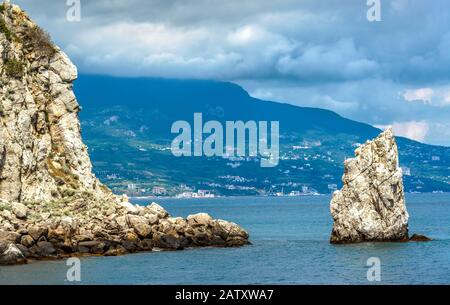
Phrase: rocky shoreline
x=91 y=227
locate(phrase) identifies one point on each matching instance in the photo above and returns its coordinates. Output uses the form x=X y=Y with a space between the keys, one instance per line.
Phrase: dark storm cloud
x=316 y=53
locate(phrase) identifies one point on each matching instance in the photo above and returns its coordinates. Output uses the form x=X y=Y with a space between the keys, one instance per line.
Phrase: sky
x=326 y=54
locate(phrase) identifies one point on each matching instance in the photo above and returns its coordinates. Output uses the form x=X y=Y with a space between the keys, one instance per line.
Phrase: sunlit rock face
x=371 y=204
x=51 y=204
x=42 y=156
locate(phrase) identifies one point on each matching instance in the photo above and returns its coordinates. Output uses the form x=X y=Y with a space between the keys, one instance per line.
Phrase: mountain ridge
x=143 y=109
x=247 y=94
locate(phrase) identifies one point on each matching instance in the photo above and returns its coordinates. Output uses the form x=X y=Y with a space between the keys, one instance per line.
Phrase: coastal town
x=306 y=168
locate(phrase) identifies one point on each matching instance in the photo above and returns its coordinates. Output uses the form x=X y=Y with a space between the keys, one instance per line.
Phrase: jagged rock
x=371 y=204
x=200 y=219
x=51 y=204
x=132 y=209
x=27 y=241
x=20 y=210
x=152 y=219
x=167 y=241
x=419 y=238
x=140 y=225
x=43 y=156
x=46 y=249
x=37 y=231
x=116 y=251
x=89 y=244
x=8 y=236
x=157 y=210
x=11 y=255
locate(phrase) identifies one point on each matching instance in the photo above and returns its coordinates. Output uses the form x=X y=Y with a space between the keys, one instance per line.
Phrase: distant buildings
x=204 y=194
x=295 y=193
x=304 y=192
x=185 y=195
x=198 y=194
x=159 y=191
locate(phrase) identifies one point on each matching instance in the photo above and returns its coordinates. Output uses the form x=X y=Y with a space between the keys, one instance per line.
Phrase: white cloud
x=264 y=94
x=438 y=96
x=424 y=95
x=446 y=97
x=412 y=130
x=308 y=40
x=340 y=60
x=304 y=97
x=245 y=35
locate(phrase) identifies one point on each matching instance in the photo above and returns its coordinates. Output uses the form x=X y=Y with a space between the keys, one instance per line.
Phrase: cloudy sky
x=306 y=52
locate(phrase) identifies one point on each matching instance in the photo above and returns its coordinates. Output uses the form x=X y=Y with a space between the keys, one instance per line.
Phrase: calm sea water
x=290 y=246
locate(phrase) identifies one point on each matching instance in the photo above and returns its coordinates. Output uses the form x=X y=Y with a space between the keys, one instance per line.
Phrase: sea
x=290 y=245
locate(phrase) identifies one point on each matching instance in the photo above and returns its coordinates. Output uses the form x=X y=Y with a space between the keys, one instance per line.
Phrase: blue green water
x=290 y=246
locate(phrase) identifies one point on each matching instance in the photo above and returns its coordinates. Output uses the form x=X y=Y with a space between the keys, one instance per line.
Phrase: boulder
x=201 y=219
x=116 y=251
x=147 y=244
x=140 y=225
x=25 y=251
x=37 y=231
x=122 y=222
x=11 y=237
x=132 y=209
x=46 y=249
x=201 y=239
x=58 y=234
x=11 y=255
x=98 y=249
x=230 y=231
x=157 y=210
x=20 y=210
x=27 y=241
x=371 y=204
x=152 y=219
x=419 y=238
x=168 y=241
x=89 y=244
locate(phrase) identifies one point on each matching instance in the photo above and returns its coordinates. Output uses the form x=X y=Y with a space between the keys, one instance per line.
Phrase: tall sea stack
x=371 y=204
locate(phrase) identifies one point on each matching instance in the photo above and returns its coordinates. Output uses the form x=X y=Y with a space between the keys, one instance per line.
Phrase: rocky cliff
x=371 y=204
x=51 y=204
x=42 y=156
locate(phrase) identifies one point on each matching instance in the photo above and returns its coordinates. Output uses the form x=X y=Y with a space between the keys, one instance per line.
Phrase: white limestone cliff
x=42 y=156
x=51 y=204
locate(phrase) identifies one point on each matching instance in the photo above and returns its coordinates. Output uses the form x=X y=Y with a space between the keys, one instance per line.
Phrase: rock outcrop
x=51 y=204
x=371 y=204
x=419 y=238
x=42 y=156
